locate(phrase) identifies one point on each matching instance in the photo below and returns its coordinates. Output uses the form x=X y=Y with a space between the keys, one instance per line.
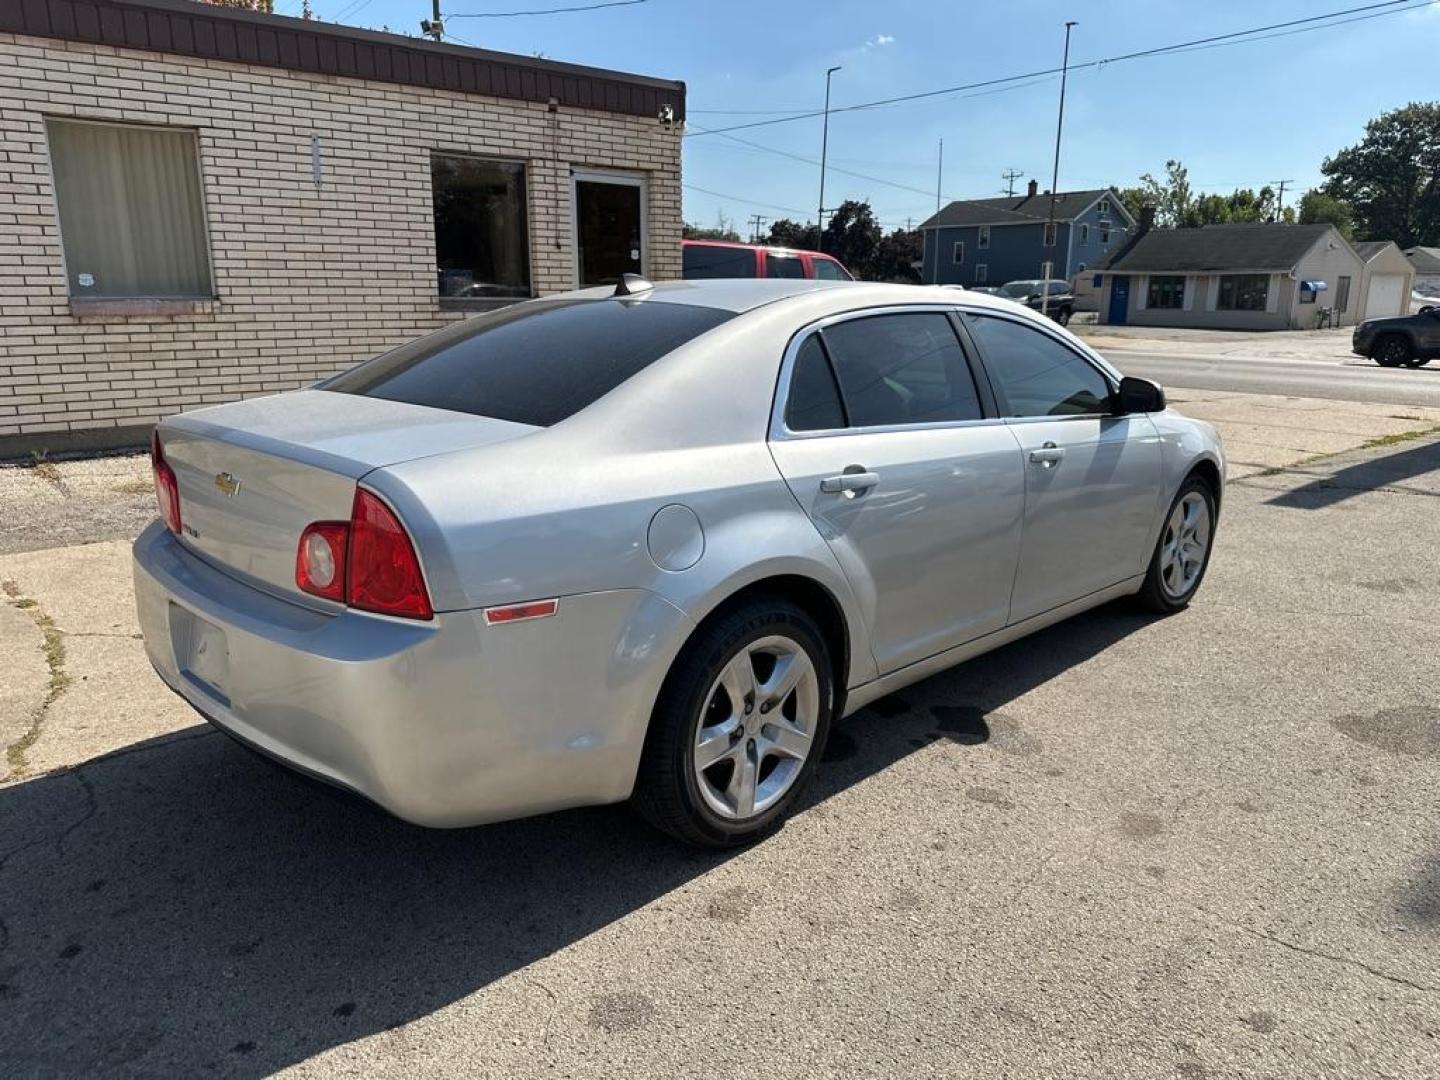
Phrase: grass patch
x=53 y=648
x=1398 y=437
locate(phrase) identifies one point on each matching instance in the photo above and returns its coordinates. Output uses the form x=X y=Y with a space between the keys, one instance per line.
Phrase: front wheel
x=1183 y=551
x=1392 y=351
x=1063 y=316
x=738 y=728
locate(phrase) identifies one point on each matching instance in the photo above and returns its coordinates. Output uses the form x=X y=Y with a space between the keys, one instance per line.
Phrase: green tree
x=896 y=256
x=791 y=234
x=724 y=230
x=1171 y=197
x=1391 y=177
x=1320 y=208
x=853 y=235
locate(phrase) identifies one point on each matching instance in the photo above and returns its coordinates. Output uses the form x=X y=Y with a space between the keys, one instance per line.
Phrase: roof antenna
x=630 y=284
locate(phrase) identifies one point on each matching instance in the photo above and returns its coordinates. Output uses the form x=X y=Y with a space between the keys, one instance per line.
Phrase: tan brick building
x=198 y=204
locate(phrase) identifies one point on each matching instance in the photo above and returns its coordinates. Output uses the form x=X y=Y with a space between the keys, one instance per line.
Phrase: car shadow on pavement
x=181 y=906
x=1362 y=477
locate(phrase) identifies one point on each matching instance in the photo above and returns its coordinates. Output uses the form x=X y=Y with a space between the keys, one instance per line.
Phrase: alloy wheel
x=756 y=728
x=1187 y=538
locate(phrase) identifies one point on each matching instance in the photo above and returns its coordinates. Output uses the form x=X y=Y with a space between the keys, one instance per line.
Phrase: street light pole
x=1048 y=265
x=824 y=147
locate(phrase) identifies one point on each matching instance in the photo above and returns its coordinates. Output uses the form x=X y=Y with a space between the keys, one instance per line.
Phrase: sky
x=1243 y=114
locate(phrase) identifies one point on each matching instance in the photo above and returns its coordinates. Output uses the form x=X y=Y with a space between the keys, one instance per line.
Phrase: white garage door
x=1385 y=296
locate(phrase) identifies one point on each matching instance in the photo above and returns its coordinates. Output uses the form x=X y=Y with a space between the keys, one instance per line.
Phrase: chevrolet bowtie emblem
x=227 y=483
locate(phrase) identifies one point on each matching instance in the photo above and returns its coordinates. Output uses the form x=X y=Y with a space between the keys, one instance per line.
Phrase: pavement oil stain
x=244 y=1047
x=1135 y=826
x=732 y=905
x=613 y=1013
x=345 y=1009
x=890 y=707
x=841 y=746
x=1262 y=1021
x=1392 y=586
x=1412 y=730
x=1249 y=806
x=69 y=952
x=1156 y=872
x=990 y=797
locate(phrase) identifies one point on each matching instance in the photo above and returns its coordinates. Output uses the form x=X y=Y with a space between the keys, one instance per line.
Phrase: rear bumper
x=444 y=723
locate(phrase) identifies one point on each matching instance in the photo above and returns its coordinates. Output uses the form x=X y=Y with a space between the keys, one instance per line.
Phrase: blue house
x=992 y=241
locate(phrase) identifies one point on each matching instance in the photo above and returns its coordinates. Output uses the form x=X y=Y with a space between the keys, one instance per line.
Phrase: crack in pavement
x=53 y=648
x=1317 y=954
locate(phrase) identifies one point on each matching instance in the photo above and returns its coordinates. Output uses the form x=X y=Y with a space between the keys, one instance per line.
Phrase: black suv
x=1402 y=341
x=1059 y=305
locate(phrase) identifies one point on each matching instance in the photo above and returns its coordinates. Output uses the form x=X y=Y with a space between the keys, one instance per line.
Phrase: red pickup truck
x=721 y=259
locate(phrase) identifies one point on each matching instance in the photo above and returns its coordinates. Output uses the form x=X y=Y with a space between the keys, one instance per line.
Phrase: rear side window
x=784 y=266
x=902 y=369
x=1038 y=375
x=534 y=363
x=718 y=262
x=814 y=401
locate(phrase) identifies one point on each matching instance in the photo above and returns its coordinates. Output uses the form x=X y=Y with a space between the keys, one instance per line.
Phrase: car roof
x=774 y=249
x=746 y=294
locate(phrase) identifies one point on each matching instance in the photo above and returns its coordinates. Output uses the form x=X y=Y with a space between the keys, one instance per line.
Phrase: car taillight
x=367 y=562
x=167 y=490
x=320 y=559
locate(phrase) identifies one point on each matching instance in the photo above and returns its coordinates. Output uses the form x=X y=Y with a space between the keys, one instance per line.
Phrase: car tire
x=1063 y=316
x=753 y=742
x=1172 y=579
x=1392 y=350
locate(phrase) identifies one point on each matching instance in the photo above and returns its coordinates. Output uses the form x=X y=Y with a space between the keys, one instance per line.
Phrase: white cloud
x=880 y=40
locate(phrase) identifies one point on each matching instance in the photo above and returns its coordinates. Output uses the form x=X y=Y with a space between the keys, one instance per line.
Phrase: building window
x=482 y=243
x=957 y=253
x=1307 y=295
x=1166 y=291
x=982 y=273
x=1104 y=206
x=132 y=215
x=1104 y=235
x=1342 y=294
x=1050 y=234
x=1243 y=292
x=1084 y=234
x=984 y=241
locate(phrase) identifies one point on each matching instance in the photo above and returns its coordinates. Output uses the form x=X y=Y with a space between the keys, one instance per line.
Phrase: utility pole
x=1280 y=201
x=1010 y=176
x=939 y=175
x=1048 y=265
x=824 y=147
x=433 y=27
x=756 y=220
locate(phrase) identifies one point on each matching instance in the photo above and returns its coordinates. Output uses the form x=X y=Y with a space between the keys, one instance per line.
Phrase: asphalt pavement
x=1198 y=846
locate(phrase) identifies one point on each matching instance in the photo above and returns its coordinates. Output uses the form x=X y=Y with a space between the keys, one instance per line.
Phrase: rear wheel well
x=816 y=601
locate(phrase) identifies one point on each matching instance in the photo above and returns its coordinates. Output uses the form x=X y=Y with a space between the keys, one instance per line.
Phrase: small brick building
x=199 y=204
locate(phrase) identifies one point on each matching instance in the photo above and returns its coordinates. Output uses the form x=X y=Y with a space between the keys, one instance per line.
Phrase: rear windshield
x=702 y=261
x=534 y=363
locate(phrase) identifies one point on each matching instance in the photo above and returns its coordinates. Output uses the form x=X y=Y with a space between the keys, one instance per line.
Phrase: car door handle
x=1047 y=457
x=850 y=483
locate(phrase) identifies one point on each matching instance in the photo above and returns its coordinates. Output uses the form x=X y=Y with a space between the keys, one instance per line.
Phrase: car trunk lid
x=252 y=475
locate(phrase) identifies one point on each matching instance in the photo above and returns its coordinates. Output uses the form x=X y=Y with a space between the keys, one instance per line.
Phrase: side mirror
x=1138 y=396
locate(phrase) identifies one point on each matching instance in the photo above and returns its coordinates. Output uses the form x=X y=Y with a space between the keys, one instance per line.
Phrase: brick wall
x=309 y=280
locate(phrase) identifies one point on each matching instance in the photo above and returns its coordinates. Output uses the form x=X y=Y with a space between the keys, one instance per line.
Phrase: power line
x=543 y=11
x=1393 y=6
x=743 y=200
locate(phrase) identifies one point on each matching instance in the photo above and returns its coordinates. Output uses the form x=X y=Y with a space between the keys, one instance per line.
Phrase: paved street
x=1298 y=363
x=1201 y=846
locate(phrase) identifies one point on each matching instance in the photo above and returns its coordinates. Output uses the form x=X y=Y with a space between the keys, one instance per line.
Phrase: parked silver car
x=652 y=545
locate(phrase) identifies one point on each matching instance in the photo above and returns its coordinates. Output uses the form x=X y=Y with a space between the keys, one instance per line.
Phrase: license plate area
x=201 y=653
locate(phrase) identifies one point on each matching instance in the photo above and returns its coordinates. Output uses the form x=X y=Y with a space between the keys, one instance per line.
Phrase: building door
x=1119 y=300
x=1386 y=296
x=609 y=227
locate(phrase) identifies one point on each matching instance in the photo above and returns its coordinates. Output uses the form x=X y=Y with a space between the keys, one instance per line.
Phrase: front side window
x=1243 y=292
x=784 y=266
x=1036 y=373
x=706 y=261
x=957 y=253
x=829 y=269
x=902 y=369
x=535 y=363
x=814 y=401
x=482 y=239
x=1166 y=291
x=132 y=215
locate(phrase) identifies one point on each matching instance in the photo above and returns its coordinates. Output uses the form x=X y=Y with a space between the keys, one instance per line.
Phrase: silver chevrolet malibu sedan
x=651 y=543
